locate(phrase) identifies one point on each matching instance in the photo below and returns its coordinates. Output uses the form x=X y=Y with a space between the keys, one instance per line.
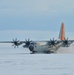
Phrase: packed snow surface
x=19 y=61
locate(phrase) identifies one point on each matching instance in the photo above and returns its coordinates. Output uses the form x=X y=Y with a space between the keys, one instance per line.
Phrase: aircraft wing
x=28 y=42
x=12 y=41
x=67 y=43
x=54 y=42
x=15 y=42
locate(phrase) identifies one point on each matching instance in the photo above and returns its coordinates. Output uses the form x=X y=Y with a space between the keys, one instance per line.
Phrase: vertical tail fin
x=62 y=33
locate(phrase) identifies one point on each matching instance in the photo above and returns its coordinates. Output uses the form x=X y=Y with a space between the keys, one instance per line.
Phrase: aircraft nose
x=31 y=48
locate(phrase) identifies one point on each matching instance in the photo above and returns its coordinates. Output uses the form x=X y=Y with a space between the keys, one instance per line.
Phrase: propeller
x=66 y=41
x=52 y=42
x=27 y=43
x=15 y=43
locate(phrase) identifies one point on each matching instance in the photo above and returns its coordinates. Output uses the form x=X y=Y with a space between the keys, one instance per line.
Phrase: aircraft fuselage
x=43 y=47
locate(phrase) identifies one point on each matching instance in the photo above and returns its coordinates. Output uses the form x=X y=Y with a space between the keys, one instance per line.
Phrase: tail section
x=62 y=33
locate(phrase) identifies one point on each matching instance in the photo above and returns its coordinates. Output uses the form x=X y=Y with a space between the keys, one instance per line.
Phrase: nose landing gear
x=31 y=48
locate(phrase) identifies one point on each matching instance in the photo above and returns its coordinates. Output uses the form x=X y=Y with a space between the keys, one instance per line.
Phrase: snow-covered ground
x=20 y=62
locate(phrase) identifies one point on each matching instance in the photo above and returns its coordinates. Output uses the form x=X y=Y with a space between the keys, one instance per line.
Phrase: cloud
x=36 y=6
x=22 y=34
x=36 y=14
x=32 y=34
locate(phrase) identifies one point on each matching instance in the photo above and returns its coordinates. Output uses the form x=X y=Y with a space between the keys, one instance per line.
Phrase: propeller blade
x=15 y=42
x=27 y=42
x=52 y=42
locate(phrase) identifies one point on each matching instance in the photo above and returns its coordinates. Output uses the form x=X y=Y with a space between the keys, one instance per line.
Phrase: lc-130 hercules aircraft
x=49 y=46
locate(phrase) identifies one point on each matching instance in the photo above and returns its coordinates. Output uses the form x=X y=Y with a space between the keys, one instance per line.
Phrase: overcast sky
x=46 y=15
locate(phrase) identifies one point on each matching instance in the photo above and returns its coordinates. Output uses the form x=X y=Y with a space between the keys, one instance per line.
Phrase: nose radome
x=31 y=48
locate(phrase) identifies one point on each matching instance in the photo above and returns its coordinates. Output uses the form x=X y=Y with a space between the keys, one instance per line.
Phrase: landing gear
x=31 y=48
x=32 y=52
